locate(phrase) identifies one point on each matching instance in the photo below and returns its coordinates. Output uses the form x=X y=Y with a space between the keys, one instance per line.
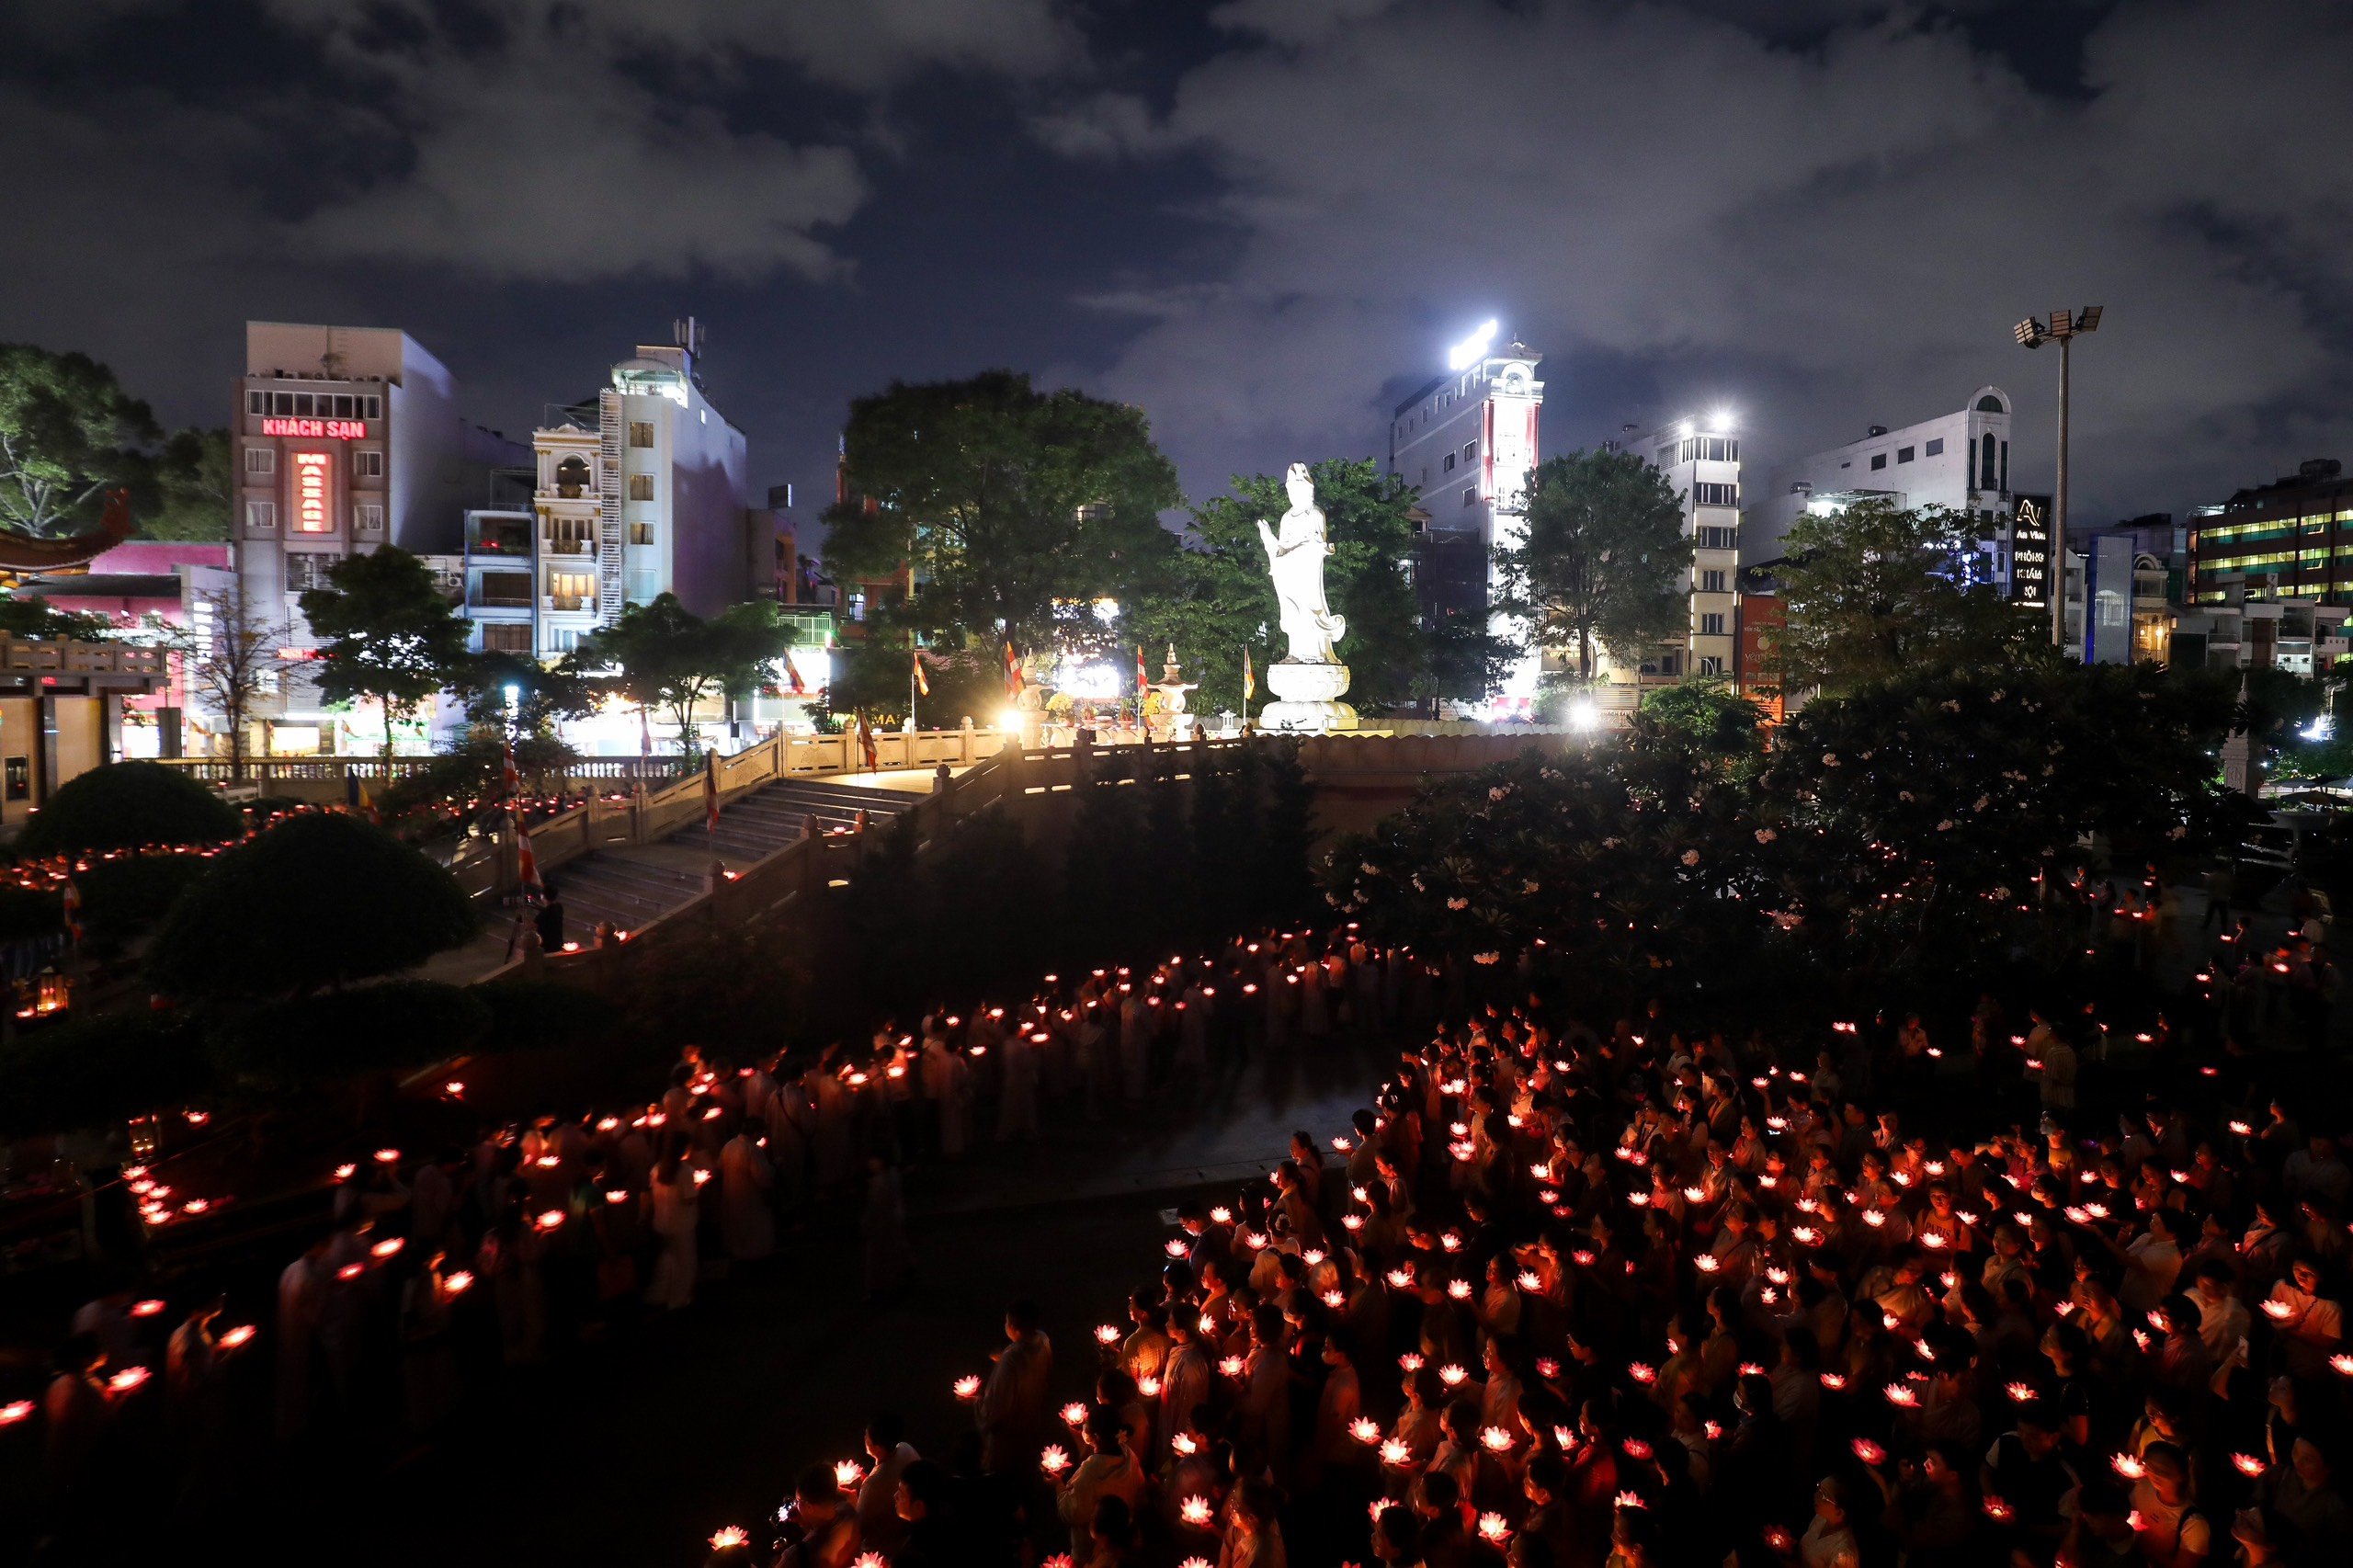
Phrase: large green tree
x=662 y=655
x=1604 y=554
x=68 y=433
x=1877 y=590
x=1017 y=509
x=1215 y=599
x=386 y=630
x=194 y=488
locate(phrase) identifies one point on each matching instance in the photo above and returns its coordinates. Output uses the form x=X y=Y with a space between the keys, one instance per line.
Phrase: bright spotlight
x=1474 y=348
x=1721 y=419
x=1586 y=714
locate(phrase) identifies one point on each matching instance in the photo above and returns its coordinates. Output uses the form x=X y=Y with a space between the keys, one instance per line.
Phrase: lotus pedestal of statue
x=1308 y=698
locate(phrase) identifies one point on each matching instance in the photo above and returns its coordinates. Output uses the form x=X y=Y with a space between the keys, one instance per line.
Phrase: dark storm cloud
x=1258 y=219
x=1819 y=235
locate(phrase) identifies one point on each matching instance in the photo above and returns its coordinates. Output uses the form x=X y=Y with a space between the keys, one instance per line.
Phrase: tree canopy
x=1016 y=508
x=1875 y=590
x=386 y=632
x=1604 y=554
x=68 y=434
x=194 y=488
x=319 y=899
x=665 y=655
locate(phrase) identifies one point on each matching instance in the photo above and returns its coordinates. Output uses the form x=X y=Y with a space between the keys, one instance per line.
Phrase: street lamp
x=2063 y=328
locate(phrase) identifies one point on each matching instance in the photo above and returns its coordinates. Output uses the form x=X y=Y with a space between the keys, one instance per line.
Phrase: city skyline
x=1821 y=215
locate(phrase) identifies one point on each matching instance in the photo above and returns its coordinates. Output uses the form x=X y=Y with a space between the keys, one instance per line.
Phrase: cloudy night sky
x=1261 y=220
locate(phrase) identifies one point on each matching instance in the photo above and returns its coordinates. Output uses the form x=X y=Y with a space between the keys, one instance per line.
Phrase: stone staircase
x=631 y=885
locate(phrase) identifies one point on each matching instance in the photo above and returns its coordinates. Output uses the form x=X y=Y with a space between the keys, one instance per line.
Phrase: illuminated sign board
x=2031 y=551
x=330 y=429
x=311 y=480
x=1474 y=348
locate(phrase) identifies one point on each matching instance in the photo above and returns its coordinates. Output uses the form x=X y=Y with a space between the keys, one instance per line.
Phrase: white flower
x=1785 y=920
x=2180 y=830
x=1905 y=795
x=1528 y=887
x=1945 y=826
x=1486 y=957
x=1370 y=870
x=1612 y=843
x=1998 y=694
x=1830 y=759
x=1457 y=903
x=1765 y=836
x=2001 y=895
x=1982 y=802
x=1949 y=706
x=1690 y=856
x=1498 y=792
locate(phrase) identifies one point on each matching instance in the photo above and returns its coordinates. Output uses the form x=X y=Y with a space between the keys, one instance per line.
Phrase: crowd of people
x=1635 y=1295
x=537 y=1238
x=1568 y=1292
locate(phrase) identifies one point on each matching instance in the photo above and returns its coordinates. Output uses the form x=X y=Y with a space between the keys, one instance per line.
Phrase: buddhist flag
x=923 y=686
x=865 y=745
x=644 y=733
x=1144 y=681
x=793 y=676
x=1013 y=681
x=510 y=780
x=1249 y=680
x=526 y=870
x=710 y=791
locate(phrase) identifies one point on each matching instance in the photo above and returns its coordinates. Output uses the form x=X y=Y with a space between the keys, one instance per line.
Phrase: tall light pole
x=2063 y=328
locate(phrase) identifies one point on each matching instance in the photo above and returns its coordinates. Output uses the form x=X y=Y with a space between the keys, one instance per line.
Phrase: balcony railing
x=567 y=602
x=567 y=547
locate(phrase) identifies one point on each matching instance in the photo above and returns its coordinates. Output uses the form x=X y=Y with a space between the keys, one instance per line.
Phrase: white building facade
x=1700 y=458
x=1959 y=461
x=1466 y=441
x=346 y=438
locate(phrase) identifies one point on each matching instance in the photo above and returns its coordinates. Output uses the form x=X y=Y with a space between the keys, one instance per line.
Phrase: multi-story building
x=1959 y=461
x=1466 y=441
x=347 y=439
x=2299 y=635
x=1700 y=460
x=2292 y=538
x=637 y=491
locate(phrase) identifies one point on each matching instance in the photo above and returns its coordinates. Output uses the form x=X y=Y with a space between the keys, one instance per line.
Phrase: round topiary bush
x=319 y=899
x=124 y=805
x=90 y=1072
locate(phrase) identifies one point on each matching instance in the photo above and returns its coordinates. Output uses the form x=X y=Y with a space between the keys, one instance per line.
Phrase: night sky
x=1261 y=220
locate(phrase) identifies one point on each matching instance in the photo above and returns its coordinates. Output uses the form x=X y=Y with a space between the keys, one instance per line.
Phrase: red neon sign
x=311 y=493
x=336 y=429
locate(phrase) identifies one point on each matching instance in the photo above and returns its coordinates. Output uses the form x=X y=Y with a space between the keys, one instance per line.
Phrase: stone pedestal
x=1309 y=697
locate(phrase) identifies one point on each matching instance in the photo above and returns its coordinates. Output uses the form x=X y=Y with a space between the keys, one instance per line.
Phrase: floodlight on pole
x=2063 y=327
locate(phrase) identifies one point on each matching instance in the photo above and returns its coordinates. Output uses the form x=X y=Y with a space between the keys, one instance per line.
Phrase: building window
x=1903 y=454
x=570 y=590
x=1986 y=469
x=1719 y=539
x=640 y=533
x=1710 y=665
x=506 y=637
x=1934 y=449
x=1715 y=494
x=2005 y=466
x=1470 y=495
x=1711 y=582
x=1670 y=664
x=570 y=536
x=505 y=590
x=256 y=402
x=368 y=465
x=641 y=432
x=571 y=478
x=1711 y=624
x=1471 y=450
x=1878 y=459
x=261 y=515
x=375 y=407
x=641 y=487
x=369 y=517
x=306 y=569
x=261 y=459
x=1447 y=466
x=565 y=640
